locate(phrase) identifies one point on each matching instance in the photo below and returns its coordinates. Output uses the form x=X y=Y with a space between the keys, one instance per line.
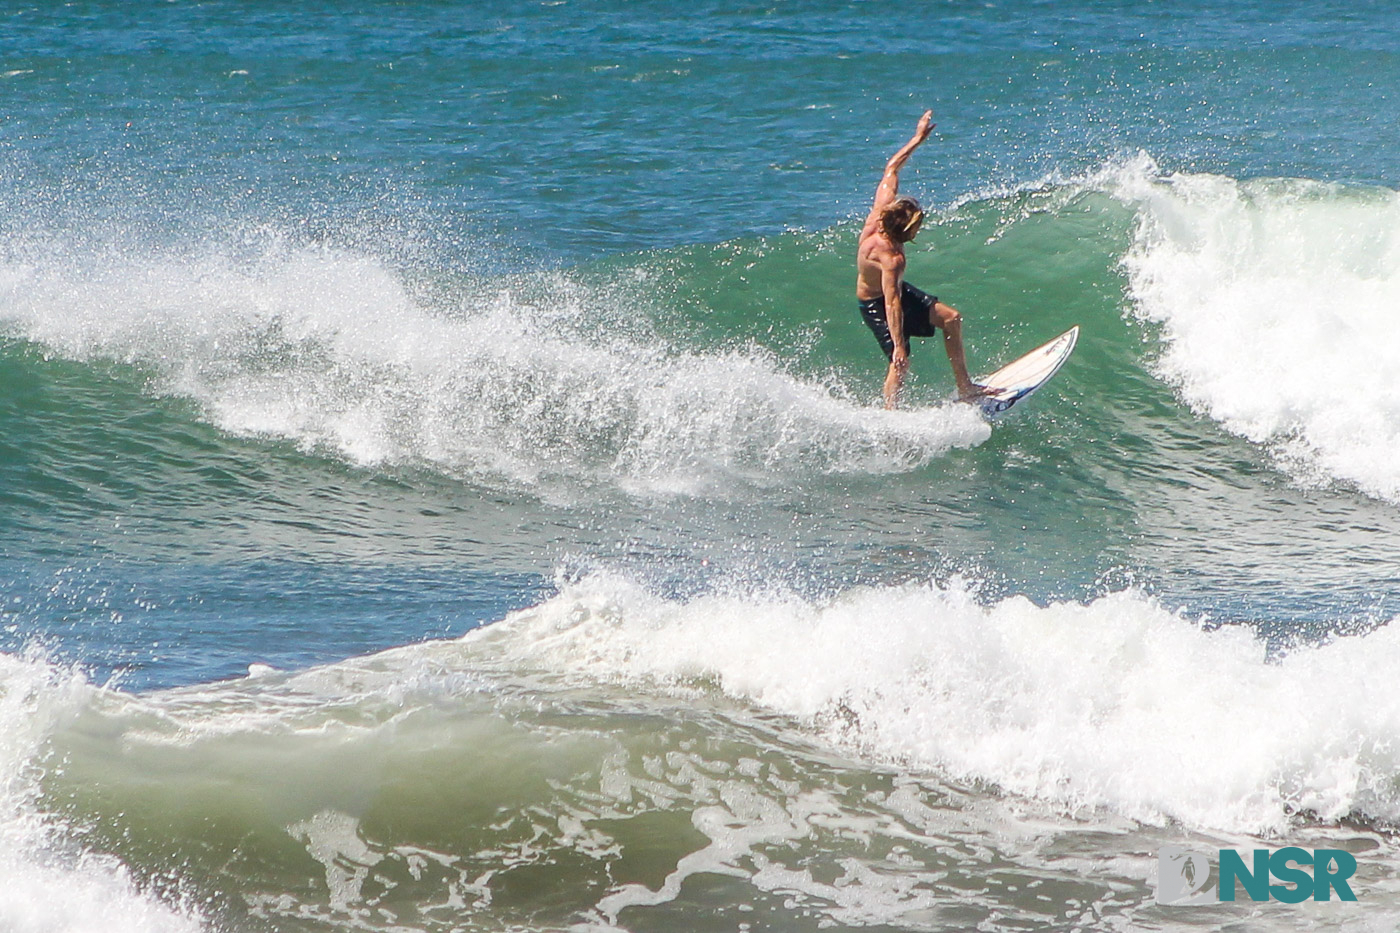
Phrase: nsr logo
x=1183 y=875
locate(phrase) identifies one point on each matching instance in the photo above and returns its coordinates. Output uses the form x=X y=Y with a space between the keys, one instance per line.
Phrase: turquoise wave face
x=728 y=393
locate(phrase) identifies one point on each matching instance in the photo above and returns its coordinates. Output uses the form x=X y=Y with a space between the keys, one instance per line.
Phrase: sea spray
x=334 y=351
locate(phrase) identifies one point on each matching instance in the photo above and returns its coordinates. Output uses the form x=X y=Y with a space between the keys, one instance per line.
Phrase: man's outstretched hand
x=925 y=126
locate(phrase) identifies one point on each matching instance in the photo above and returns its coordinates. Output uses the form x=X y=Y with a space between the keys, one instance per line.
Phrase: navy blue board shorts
x=918 y=317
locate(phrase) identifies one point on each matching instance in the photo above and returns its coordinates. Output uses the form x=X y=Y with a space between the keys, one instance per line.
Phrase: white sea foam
x=545 y=381
x=1279 y=305
x=1118 y=703
x=47 y=882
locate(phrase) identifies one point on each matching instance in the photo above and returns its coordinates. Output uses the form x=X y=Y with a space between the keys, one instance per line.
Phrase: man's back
x=874 y=254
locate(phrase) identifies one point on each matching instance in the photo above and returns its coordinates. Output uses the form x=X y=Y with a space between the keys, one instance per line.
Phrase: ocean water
x=443 y=484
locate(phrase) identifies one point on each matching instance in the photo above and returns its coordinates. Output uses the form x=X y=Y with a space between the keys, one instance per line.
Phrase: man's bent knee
x=944 y=315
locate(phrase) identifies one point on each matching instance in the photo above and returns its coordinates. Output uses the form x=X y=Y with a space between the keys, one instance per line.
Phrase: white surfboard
x=1018 y=379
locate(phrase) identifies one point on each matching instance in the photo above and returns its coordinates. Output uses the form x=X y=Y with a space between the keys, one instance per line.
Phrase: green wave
x=641 y=390
x=1021 y=268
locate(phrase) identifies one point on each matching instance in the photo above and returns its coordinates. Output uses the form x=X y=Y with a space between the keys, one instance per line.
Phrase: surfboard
x=1015 y=381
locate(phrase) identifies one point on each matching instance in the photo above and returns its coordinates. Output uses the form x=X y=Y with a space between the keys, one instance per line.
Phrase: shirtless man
x=891 y=307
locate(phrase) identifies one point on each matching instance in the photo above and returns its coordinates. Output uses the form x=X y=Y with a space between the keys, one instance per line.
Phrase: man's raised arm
x=889 y=184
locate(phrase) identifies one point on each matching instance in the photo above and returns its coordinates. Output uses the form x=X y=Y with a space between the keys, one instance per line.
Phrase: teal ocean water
x=443 y=484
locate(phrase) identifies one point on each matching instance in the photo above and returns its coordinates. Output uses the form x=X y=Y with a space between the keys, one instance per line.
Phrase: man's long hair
x=900 y=221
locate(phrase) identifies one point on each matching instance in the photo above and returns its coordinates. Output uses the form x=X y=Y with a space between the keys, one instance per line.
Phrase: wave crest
x=1276 y=299
x=1116 y=703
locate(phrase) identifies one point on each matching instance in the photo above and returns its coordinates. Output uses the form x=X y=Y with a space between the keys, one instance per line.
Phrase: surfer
x=891 y=307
